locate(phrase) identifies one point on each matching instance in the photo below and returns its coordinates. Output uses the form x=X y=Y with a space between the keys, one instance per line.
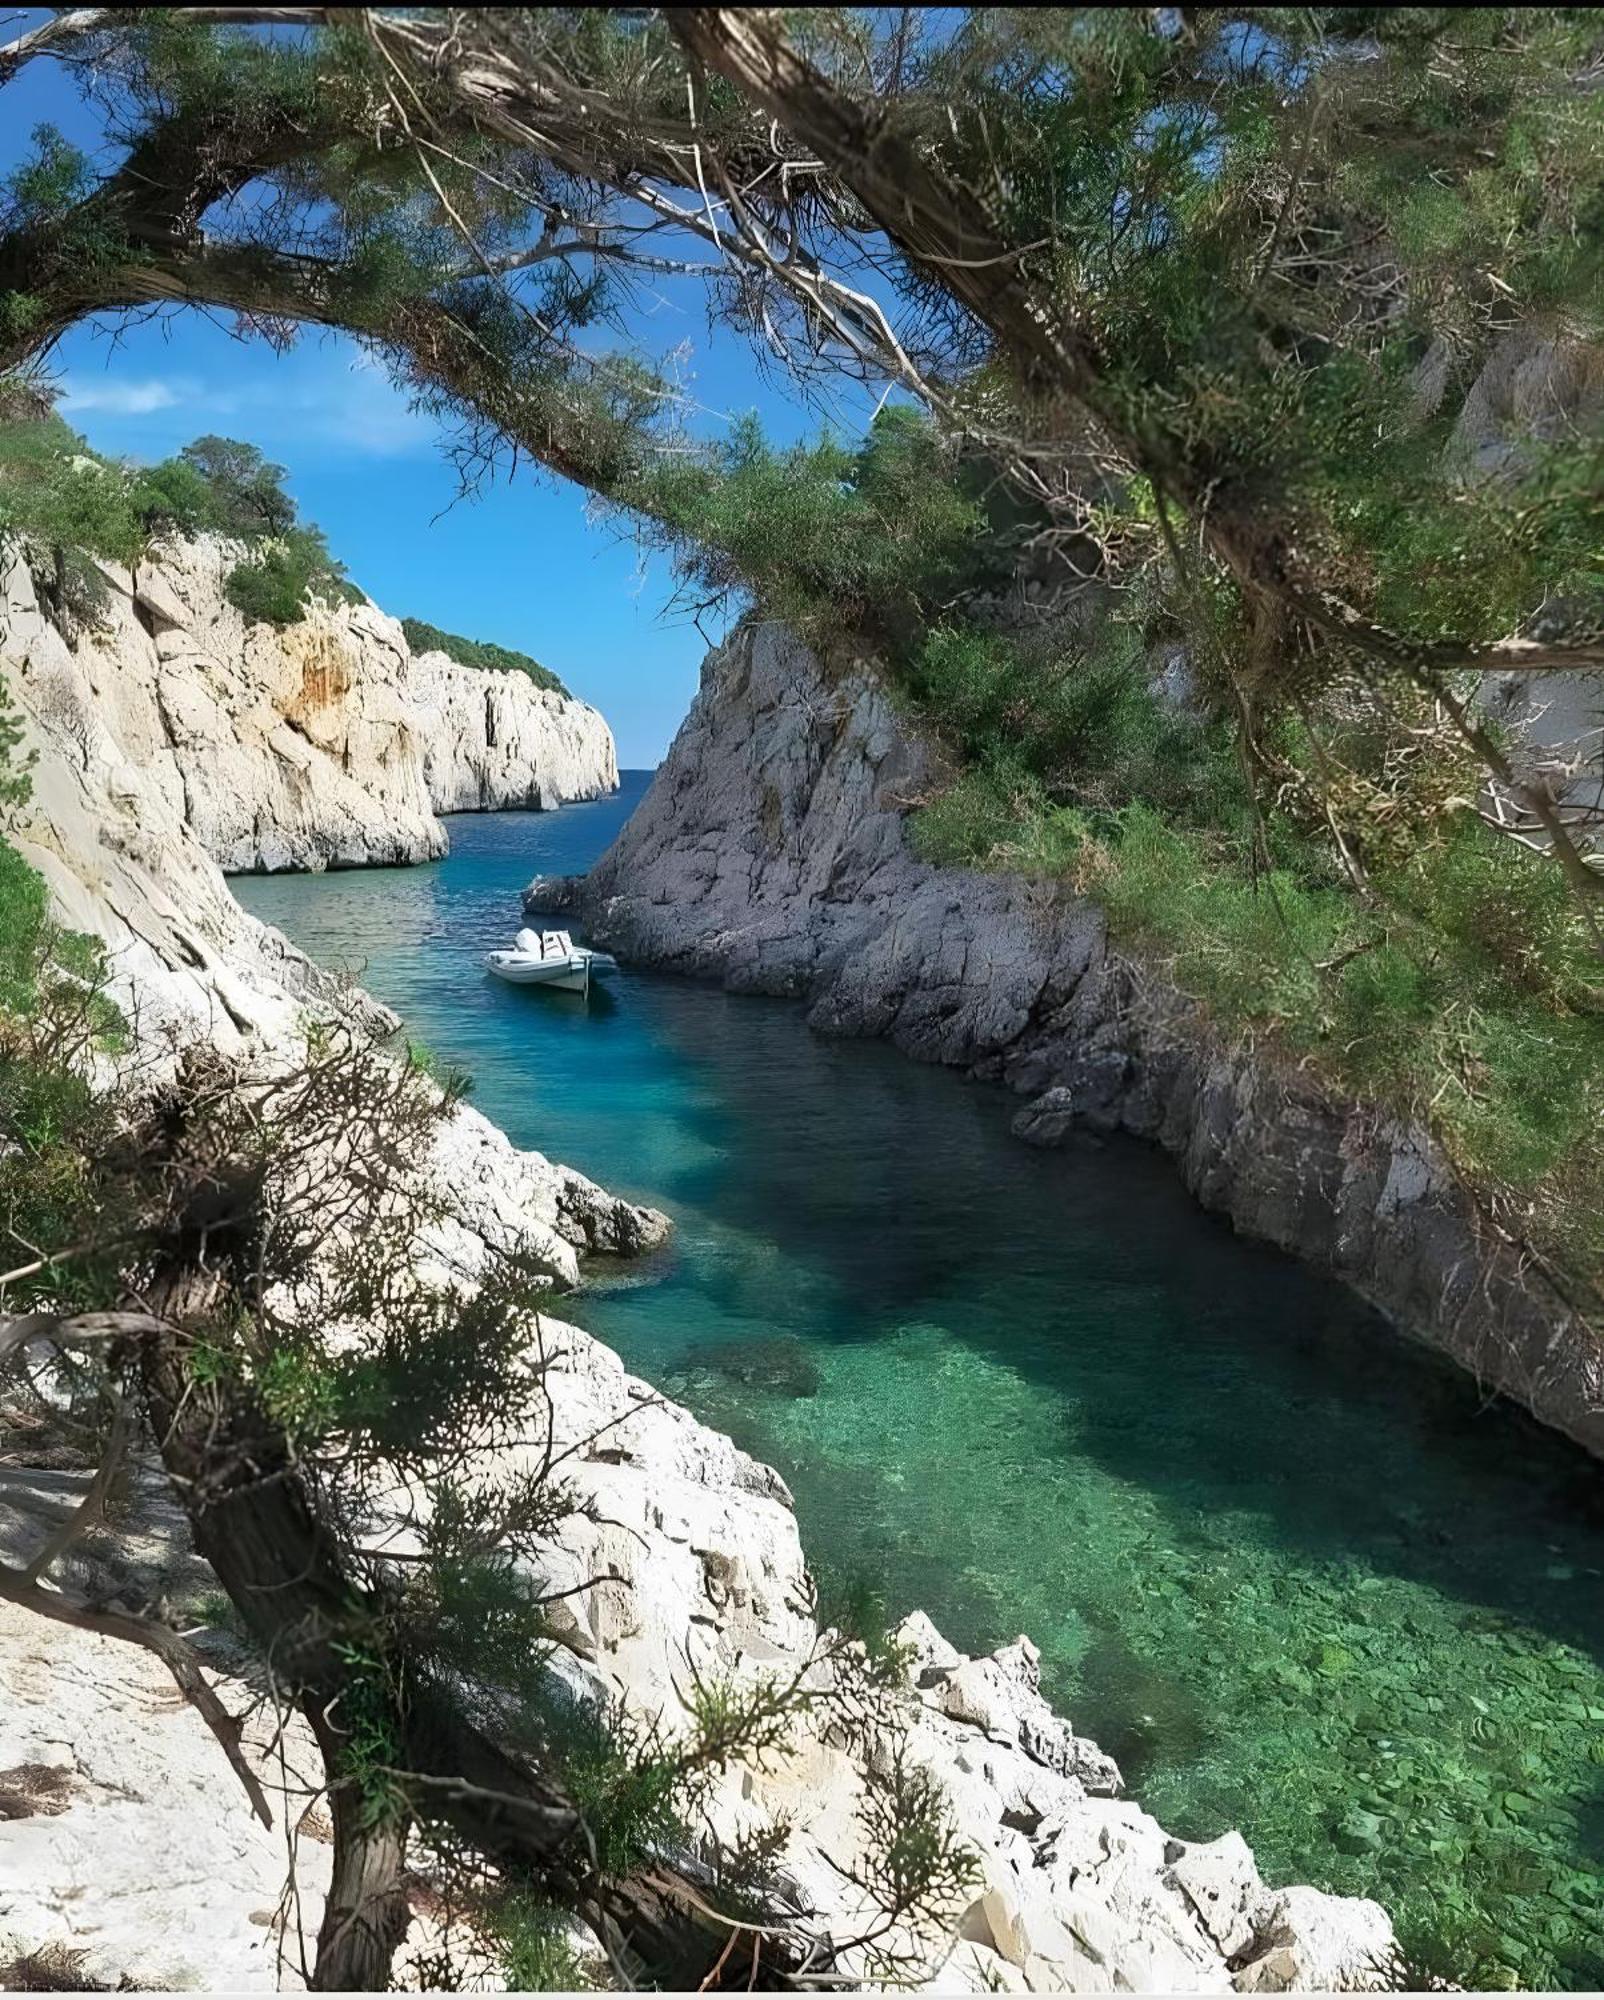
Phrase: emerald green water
x=1289 y=1570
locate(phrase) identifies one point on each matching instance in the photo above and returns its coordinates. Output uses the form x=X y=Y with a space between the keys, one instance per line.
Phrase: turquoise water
x=1290 y=1571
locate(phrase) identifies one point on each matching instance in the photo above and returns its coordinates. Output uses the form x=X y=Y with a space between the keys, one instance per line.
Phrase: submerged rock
x=778 y=1366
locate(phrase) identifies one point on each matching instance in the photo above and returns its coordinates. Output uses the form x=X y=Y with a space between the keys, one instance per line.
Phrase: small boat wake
x=549 y=958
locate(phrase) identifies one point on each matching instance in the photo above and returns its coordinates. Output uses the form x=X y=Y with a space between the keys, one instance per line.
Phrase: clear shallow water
x=1287 y=1569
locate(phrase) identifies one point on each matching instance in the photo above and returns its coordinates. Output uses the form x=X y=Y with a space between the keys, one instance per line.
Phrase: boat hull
x=566 y=975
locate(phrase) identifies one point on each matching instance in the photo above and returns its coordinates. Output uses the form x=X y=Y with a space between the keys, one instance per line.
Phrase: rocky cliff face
x=493 y=740
x=324 y=745
x=109 y=826
x=770 y=854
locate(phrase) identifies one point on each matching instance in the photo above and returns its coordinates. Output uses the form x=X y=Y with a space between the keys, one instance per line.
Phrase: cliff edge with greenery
x=481 y=654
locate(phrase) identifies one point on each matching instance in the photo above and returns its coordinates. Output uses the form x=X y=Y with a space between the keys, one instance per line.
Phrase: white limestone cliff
x=494 y=739
x=321 y=745
x=109 y=826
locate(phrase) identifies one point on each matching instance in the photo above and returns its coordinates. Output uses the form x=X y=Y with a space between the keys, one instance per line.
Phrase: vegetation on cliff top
x=67 y=504
x=483 y=654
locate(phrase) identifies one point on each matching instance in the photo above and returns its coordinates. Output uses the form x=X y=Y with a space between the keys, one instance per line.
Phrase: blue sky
x=521 y=564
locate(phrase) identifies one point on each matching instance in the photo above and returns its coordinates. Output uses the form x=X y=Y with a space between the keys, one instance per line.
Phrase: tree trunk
x=366 y=1915
x=260 y=1527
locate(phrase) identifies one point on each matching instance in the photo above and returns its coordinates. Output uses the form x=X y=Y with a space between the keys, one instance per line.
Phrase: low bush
x=480 y=653
x=277 y=581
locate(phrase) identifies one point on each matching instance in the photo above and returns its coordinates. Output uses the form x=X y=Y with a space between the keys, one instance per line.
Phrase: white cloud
x=358 y=408
x=121 y=399
x=323 y=399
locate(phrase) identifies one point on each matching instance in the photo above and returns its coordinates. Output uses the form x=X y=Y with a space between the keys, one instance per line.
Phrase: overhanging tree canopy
x=1201 y=298
x=1227 y=257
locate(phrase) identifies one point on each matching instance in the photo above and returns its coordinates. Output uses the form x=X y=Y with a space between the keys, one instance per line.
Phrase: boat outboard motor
x=528 y=942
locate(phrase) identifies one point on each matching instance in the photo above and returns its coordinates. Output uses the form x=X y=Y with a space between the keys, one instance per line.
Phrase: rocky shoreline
x=116 y=1803
x=770 y=854
x=117 y=1807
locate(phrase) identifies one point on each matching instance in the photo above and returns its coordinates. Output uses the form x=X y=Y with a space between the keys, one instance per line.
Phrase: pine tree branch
x=20 y=1589
x=91 y=1509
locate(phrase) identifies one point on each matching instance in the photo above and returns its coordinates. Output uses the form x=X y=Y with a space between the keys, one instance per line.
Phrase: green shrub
x=1081 y=718
x=633 y=1800
x=23 y=915
x=55 y=492
x=174 y=498
x=537 y=1951
x=984 y=819
x=480 y=653
x=60 y=497
x=833 y=538
x=277 y=581
x=54 y=1013
x=245 y=493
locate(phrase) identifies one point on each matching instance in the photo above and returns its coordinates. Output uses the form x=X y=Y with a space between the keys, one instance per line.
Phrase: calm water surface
x=1288 y=1570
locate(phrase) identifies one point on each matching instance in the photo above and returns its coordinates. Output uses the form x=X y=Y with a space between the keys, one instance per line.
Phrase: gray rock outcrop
x=770 y=853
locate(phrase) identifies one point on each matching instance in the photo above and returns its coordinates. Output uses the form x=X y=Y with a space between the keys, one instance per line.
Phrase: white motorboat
x=548 y=958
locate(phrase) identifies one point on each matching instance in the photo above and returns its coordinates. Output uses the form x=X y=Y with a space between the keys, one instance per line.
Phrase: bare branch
x=91 y=1509
x=75 y=1329
x=174 y=1652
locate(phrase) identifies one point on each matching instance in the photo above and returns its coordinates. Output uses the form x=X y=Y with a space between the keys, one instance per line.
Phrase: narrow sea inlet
x=1290 y=1571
